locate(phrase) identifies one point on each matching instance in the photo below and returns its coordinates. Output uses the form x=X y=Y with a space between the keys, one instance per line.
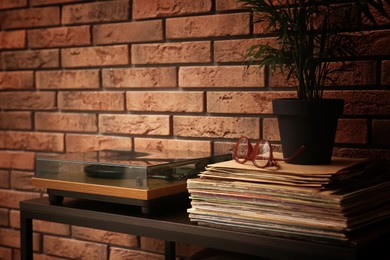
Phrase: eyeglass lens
x=243 y=150
x=262 y=154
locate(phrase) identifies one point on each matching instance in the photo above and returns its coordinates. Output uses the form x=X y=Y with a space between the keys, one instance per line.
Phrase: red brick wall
x=82 y=75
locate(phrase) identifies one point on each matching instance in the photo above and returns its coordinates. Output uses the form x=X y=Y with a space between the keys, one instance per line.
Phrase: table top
x=173 y=224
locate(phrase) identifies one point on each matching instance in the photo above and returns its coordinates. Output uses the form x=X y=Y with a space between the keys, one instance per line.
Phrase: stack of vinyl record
x=348 y=200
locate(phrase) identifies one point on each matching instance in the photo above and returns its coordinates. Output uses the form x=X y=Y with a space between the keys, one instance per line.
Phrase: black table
x=173 y=225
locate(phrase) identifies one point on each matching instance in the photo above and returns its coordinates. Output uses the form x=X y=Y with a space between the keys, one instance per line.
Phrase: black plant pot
x=312 y=124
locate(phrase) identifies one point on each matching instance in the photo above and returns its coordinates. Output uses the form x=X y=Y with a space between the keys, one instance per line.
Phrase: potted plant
x=311 y=34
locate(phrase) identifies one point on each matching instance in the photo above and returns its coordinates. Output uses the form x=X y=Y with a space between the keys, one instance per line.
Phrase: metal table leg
x=170 y=250
x=26 y=238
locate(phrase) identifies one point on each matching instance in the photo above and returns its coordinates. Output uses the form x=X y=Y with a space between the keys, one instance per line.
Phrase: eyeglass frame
x=252 y=151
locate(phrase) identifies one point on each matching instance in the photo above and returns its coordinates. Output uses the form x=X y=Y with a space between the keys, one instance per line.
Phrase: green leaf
x=310 y=33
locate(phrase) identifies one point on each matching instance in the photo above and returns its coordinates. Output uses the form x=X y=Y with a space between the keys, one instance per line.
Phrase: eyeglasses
x=261 y=154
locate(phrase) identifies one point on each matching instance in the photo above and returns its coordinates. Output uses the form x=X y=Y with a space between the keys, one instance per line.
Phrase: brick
x=46 y=2
x=17 y=160
x=4 y=219
x=91 y=100
x=15 y=120
x=351 y=131
x=41 y=226
x=4 y=179
x=228 y=5
x=21 y=180
x=361 y=152
x=11 y=198
x=67 y=79
x=2 y=139
x=244 y=102
x=32 y=17
x=103 y=236
x=13 y=39
x=156 y=245
x=83 y=143
x=16 y=80
x=260 y=27
x=278 y=79
x=95 y=56
x=95 y=12
x=363 y=102
x=220 y=76
x=212 y=127
x=79 y=122
x=152 y=244
x=207 y=26
x=11 y=238
x=134 y=124
x=121 y=253
x=385 y=73
x=160 y=8
x=30 y=59
x=6 y=4
x=373 y=43
x=354 y=73
x=277 y=148
x=140 y=78
x=380 y=131
x=6 y=253
x=14 y=216
x=76 y=249
x=187 y=250
x=59 y=37
x=184 y=147
x=379 y=18
x=42 y=256
x=271 y=129
x=52 y=142
x=28 y=100
x=51 y=228
x=224 y=147
x=234 y=50
x=173 y=101
x=176 y=52
x=144 y=31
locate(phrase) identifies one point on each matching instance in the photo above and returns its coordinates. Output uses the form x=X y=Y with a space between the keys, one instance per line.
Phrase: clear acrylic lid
x=128 y=169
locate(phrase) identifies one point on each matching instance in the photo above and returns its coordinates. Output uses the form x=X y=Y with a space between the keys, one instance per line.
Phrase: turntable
x=128 y=177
